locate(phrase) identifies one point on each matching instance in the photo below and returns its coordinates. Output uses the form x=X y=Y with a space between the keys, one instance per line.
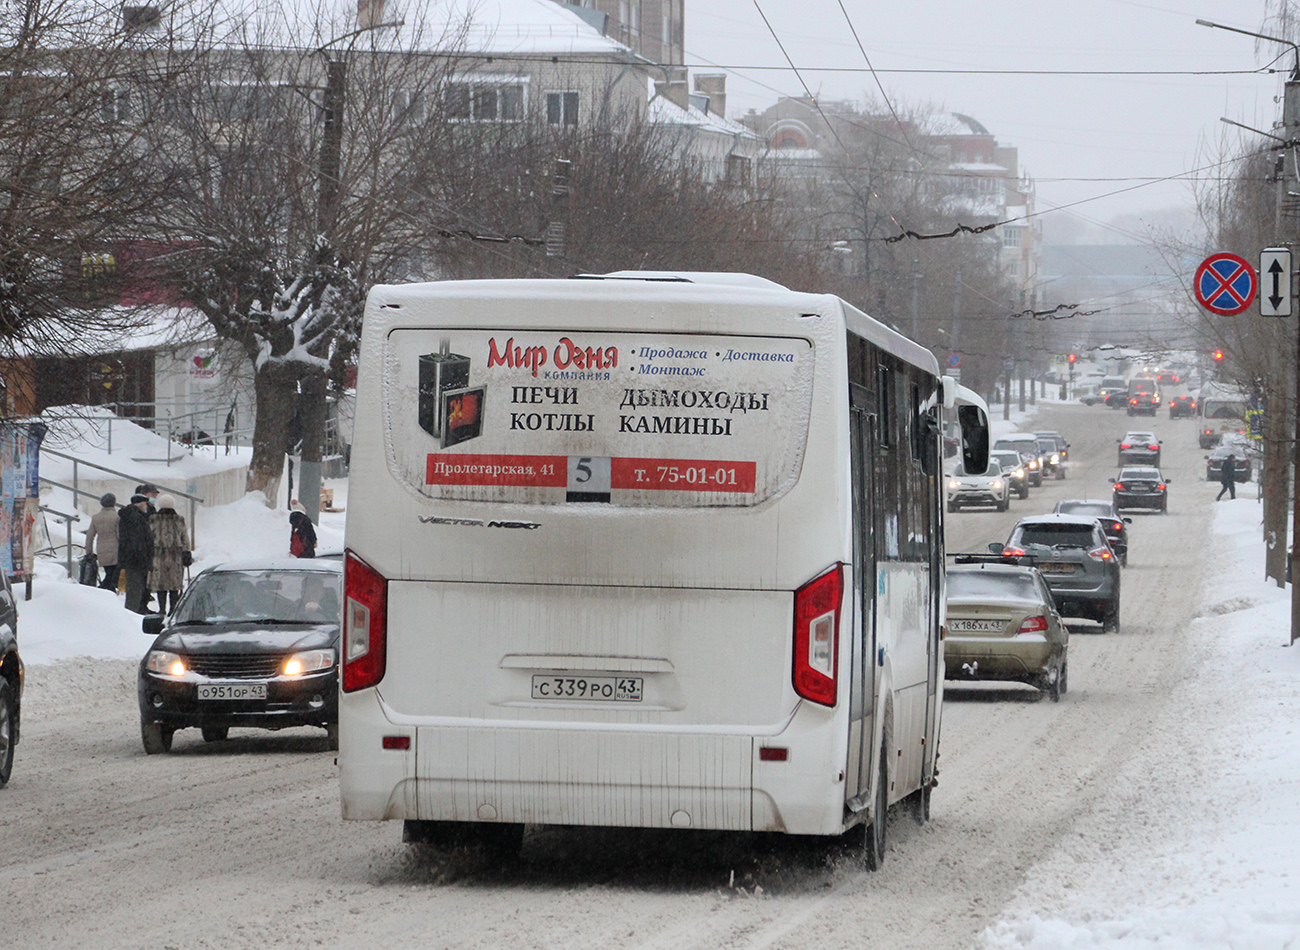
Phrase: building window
x=738 y=170
x=1012 y=237
x=562 y=108
x=141 y=17
x=115 y=105
x=485 y=101
x=408 y=106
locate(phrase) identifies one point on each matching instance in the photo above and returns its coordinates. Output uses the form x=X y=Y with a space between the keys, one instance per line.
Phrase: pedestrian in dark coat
x=135 y=551
x=1228 y=477
x=101 y=540
x=302 y=535
x=171 y=544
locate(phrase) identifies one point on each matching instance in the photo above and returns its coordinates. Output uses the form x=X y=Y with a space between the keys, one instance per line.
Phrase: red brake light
x=816 y=628
x=1125 y=445
x=1119 y=526
x=1100 y=554
x=1119 y=486
x=365 y=624
x=1013 y=552
x=1132 y=402
x=1154 y=448
x=1033 y=625
x=1160 y=487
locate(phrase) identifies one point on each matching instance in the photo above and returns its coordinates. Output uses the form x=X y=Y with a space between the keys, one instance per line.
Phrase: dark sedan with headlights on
x=1182 y=407
x=251 y=644
x=1141 y=486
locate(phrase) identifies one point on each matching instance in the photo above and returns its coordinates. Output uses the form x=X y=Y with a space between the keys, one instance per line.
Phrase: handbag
x=89 y=570
x=187 y=558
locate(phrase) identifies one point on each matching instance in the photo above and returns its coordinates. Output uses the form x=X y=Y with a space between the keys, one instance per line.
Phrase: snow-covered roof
x=664 y=111
x=475 y=27
x=472 y=27
x=139 y=328
x=980 y=168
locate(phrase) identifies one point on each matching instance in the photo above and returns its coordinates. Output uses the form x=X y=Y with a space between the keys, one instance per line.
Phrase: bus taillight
x=816 y=626
x=365 y=624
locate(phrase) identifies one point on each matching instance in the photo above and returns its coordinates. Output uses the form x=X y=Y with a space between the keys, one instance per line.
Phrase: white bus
x=642 y=551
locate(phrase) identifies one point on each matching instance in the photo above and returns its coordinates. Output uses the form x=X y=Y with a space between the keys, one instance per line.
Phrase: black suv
x=1075 y=559
x=11 y=677
x=1107 y=515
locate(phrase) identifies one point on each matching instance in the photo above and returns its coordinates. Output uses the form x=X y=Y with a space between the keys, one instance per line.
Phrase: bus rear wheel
x=875 y=837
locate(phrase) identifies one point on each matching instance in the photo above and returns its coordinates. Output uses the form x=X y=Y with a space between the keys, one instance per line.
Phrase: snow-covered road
x=1153 y=803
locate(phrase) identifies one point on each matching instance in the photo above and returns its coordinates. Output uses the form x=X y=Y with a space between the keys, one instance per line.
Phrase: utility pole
x=312 y=395
x=916 y=298
x=1291 y=129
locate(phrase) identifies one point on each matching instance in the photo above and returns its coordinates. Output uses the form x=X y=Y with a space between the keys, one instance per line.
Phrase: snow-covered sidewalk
x=1213 y=863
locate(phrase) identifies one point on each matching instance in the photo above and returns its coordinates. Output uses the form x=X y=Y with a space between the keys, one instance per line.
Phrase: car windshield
x=1100 y=509
x=993 y=471
x=282 y=596
x=1047 y=445
x=1054 y=535
x=995 y=585
x=1006 y=460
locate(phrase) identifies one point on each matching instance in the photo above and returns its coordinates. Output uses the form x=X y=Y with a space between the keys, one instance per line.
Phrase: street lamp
x=1295 y=72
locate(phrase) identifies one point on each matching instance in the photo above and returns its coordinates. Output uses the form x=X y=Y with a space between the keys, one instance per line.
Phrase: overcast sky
x=1069 y=128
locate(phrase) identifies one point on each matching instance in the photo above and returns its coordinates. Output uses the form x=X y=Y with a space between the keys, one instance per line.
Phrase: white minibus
x=642 y=550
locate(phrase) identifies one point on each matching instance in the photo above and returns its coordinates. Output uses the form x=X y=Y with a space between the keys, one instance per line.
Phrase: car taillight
x=1119 y=486
x=1033 y=625
x=1160 y=487
x=1118 y=526
x=365 y=624
x=1132 y=402
x=1125 y=445
x=1100 y=554
x=1013 y=552
x=1154 y=448
x=816 y=627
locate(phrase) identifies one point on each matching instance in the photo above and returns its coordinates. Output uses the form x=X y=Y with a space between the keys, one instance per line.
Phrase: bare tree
x=72 y=135
x=302 y=149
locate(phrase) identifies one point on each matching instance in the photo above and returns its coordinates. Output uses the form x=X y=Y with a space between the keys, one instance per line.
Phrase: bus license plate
x=600 y=689
x=229 y=691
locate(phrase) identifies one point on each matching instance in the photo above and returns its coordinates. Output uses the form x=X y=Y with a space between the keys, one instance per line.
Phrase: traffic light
x=1071 y=358
x=1218 y=356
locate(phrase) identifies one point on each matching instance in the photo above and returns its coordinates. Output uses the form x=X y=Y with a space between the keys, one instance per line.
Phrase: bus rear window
x=542 y=417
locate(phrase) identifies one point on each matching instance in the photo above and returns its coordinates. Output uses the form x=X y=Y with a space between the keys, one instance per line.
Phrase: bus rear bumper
x=608 y=778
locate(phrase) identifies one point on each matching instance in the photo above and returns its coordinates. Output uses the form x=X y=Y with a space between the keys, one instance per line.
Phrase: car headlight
x=1056 y=460
x=1033 y=464
x=309 y=661
x=953 y=486
x=165 y=664
x=998 y=484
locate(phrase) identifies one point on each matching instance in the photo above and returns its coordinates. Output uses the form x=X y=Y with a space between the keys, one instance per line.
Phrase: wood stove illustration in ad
x=450 y=409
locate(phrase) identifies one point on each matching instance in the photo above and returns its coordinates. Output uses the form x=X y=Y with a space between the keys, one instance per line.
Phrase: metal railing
x=76 y=489
x=172 y=428
x=67 y=520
